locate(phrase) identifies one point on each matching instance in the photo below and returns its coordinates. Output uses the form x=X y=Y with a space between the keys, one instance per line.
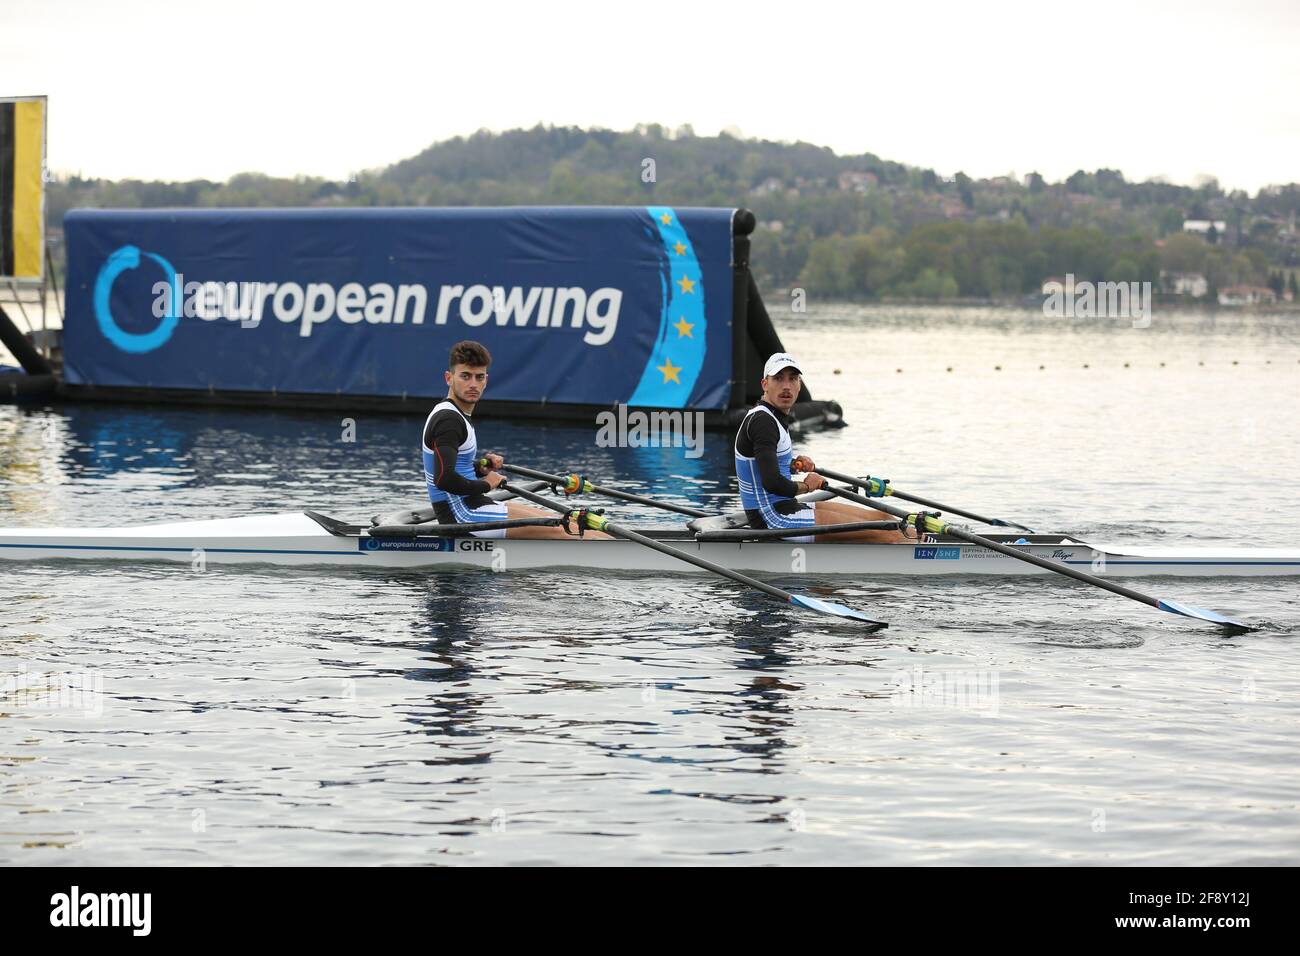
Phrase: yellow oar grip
x=932 y=525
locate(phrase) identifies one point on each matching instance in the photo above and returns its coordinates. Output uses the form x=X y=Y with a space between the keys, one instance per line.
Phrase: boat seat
x=718 y=523
x=422 y=516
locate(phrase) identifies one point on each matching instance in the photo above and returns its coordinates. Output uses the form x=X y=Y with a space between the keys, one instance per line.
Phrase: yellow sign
x=22 y=187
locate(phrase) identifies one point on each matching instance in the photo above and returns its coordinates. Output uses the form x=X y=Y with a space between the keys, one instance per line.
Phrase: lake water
x=157 y=715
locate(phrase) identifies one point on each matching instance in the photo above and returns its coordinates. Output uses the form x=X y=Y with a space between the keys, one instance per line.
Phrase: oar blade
x=839 y=610
x=999 y=523
x=1201 y=614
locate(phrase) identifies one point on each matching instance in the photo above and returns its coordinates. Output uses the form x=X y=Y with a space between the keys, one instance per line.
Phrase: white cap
x=779 y=361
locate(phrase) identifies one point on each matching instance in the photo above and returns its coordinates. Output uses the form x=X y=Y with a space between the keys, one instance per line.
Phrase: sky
x=177 y=91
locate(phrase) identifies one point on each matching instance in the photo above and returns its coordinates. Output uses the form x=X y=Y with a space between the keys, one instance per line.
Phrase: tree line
x=848 y=226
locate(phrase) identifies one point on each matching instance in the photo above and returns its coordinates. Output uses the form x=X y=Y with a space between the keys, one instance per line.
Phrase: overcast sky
x=185 y=90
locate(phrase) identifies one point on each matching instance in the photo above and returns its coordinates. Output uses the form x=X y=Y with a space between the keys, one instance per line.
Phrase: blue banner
x=578 y=305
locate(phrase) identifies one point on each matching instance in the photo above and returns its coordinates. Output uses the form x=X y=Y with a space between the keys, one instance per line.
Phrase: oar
x=880 y=486
x=598 y=522
x=577 y=484
x=937 y=526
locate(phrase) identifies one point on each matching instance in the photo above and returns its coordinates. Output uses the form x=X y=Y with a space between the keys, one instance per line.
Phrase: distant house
x=1185 y=283
x=1247 y=295
x=853 y=182
x=770 y=185
x=1202 y=226
x=953 y=208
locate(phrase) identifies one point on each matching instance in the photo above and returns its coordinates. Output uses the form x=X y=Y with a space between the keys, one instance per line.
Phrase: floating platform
x=583 y=309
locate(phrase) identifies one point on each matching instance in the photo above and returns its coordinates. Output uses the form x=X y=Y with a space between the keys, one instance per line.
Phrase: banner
x=22 y=187
x=587 y=306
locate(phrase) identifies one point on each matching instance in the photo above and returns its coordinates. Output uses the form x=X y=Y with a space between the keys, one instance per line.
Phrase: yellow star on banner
x=679 y=248
x=666 y=219
x=684 y=328
x=670 y=371
x=687 y=284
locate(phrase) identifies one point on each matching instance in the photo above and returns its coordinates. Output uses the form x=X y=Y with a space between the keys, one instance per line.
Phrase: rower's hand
x=494 y=478
x=803 y=463
x=813 y=481
x=494 y=462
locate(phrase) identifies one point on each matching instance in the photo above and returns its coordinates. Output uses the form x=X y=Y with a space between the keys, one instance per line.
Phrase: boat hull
x=298 y=540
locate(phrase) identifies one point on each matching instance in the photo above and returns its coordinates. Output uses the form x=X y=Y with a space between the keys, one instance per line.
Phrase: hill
x=841 y=226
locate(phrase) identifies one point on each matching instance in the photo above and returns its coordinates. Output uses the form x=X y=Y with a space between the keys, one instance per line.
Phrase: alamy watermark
x=1098 y=300
x=639 y=429
x=129 y=910
x=974 y=690
x=78 y=692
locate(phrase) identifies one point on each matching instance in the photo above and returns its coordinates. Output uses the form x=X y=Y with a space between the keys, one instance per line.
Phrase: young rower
x=765 y=456
x=458 y=485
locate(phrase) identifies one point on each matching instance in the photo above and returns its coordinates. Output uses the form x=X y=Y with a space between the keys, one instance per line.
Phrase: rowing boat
x=307 y=539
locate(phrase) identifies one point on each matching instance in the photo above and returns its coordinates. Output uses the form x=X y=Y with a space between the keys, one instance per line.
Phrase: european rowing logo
x=595 y=312
x=367 y=543
x=121 y=260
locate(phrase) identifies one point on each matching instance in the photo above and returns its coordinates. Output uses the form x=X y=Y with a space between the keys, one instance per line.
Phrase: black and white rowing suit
x=763 y=456
x=451 y=471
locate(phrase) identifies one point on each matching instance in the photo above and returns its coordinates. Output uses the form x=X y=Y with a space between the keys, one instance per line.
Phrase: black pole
x=765 y=339
x=741 y=225
x=31 y=360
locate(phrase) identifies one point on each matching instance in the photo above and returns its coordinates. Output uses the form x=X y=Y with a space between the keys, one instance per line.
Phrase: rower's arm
x=444 y=435
x=763 y=433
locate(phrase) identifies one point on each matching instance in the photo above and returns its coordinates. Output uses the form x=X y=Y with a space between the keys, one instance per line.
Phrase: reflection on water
x=274 y=715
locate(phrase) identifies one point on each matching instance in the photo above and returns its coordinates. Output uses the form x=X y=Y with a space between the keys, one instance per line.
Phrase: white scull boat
x=305 y=538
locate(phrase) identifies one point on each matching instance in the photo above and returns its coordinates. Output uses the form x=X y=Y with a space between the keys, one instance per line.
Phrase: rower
x=457 y=483
x=765 y=457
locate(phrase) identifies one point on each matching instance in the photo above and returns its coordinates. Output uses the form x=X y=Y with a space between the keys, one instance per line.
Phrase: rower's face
x=782 y=388
x=467 y=382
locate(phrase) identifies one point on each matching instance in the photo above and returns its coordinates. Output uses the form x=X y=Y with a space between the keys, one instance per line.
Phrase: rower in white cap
x=765 y=458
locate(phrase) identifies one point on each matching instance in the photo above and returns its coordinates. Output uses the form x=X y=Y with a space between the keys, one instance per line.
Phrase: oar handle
x=874 y=487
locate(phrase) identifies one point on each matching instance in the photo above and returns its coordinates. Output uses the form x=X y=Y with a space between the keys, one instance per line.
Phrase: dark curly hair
x=468 y=353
